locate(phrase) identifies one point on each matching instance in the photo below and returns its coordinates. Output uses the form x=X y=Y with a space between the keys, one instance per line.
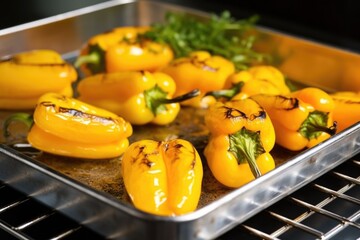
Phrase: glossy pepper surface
x=25 y=76
x=255 y=80
x=241 y=137
x=138 y=97
x=69 y=127
x=163 y=178
x=301 y=119
x=122 y=50
x=347 y=108
x=200 y=70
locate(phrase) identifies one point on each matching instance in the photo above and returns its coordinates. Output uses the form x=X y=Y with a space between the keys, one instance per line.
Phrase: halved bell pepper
x=241 y=137
x=347 y=108
x=302 y=119
x=200 y=70
x=123 y=50
x=25 y=76
x=68 y=127
x=138 y=97
x=163 y=178
x=255 y=80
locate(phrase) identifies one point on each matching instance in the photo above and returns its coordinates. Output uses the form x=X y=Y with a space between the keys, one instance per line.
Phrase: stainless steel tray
x=327 y=67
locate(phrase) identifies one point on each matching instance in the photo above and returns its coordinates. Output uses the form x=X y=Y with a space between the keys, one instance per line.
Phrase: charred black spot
x=260 y=115
x=47 y=104
x=291 y=103
x=145 y=160
x=233 y=113
x=178 y=146
x=77 y=113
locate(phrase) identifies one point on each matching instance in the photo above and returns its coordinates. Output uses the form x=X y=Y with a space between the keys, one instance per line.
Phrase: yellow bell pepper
x=123 y=50
x=255 y=80
x=241 y=137
x=163 y=178
x=301 y=119
x=200 y=70
x=347 y=108
x=138 y=97
x=24 y=77
x=68 y=127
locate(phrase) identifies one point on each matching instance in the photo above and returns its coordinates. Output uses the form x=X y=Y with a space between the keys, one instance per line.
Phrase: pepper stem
x=155 y=98
x=246 y=146
x=186 y=96
x=315 y=124
x=90 y=58
x=25 y=118
x=226 y=93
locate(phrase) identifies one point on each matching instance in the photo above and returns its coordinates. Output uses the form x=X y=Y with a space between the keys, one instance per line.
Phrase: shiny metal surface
x=114 y=219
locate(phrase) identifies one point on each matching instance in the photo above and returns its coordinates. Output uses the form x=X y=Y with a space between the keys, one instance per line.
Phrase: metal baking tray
x=69 y=185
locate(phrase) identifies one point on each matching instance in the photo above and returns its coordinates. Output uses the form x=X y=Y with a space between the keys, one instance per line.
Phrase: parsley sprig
x=220 y=35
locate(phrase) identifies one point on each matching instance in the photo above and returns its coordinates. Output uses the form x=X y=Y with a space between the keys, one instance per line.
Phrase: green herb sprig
x=220 y=35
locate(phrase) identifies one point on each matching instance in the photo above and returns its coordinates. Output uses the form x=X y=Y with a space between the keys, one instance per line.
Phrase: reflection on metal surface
x=311 y=63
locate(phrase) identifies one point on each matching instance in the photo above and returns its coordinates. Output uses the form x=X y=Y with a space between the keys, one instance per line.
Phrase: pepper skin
x=138 y=97
x=68 y=127
x=301 y=119
x=241 y=137
x=122 y=50
x=255 y=80
x=28 y=75
x=200 y=71
x=347 y=109
x=163 y=178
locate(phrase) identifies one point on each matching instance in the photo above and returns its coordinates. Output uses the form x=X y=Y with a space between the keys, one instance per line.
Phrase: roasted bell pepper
x=241 y=137
x=123 y=50
x=25 y=76
x=163 y=178
x=255 y=80
x=138 y=97
x=347 y=109
x=202 y=71
x=68 y=127
x=301 y=119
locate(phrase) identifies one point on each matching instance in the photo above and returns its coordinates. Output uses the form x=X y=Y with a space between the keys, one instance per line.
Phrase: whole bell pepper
x=200 y=70
x=138 y=97
x=241 y=137
x=68 y=127
x=25 y=76
x=123 y=50
x=301 y=119
x=347 y=109
x=255 y=80
x=163 y=178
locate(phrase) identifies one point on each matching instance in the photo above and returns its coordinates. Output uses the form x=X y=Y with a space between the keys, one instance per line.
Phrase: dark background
x=333 y=22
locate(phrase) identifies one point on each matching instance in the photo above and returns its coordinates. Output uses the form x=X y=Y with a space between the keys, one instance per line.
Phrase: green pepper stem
x=90 y=58
x=226 y=93
x=247 y=147
x=186 y=96
x=329 y=130
x=25 y=118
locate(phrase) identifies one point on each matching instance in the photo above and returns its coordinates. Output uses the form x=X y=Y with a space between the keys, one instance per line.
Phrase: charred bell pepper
x=163 y=178
x=138 y=97
x=68 y=127
x=347 y=108
x=123 y=50
x=28 y=75
x=241 y=137
x=255 y=80
x=202 y=71
x=301 y=119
